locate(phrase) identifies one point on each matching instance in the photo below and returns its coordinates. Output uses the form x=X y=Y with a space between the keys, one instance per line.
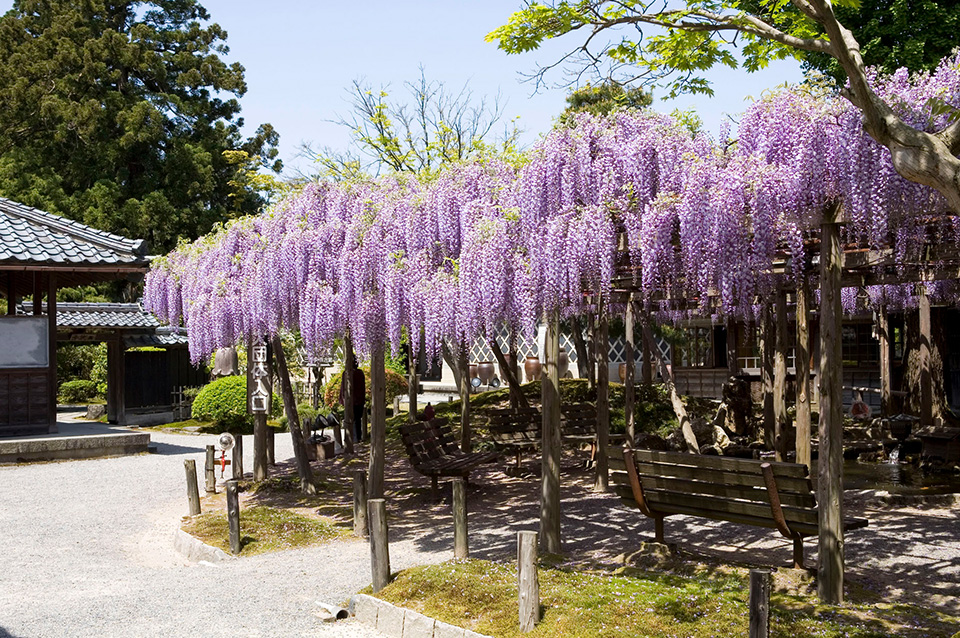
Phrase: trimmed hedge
x=77 y=391
x=224 y=402
x=396 y=384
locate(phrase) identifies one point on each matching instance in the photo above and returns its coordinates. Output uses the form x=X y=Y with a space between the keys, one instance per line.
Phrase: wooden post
x=760 y=586
x=767 y=348
x=550 y=446
x=733 y=334
x=602 y=353
x=349 y=366
x=359 y=503
x=209 y=471
x=926 y=347
x=236 y=461
x=628 y=385
x=781 y=422
x=830 y=465
x=515 y=395
x=528 y=581
x=379 y=543
x=116 y=409
x=460 y=544
x=271 y=446
x=378 y=422
x=11 y=293
x=307 y=485
x=464 y=388
x=52 y=348
x=233 y=516
x=260 y=427
x=591 y=344
x=886 y=384
x=193 y=492
x=413 y=384
x=803 y=373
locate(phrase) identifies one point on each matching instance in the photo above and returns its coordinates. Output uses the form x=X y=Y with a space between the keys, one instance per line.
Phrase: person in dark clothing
x=359 y=398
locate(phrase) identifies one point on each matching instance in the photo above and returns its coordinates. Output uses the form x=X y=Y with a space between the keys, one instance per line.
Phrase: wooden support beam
x=803 y=373
x=830 y=465
x=733 y=334
x=629 y=392
x=926 y=347
x=52 y=349
x=767 y=347
x=378 y=421
x=602 y=353
x=413 y=384
x=550 y=446
x=11 y=293
x=116 y=409
x=886 y=383
x=781 y=421
x=464 y=387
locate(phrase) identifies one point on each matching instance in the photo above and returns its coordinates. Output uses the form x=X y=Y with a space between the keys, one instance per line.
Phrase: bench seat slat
x=785 y=485
x=756 y=493
x=793 y=470
x=662 y=500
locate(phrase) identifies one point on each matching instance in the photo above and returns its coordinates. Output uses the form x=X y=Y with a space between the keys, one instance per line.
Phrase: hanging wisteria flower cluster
x=485 y=244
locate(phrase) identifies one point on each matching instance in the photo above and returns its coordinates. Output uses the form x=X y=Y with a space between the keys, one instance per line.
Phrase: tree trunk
x=782 y=423
x=629 y=390
x=510 y=375
x=591 y=351
x=767 y=348
x=686 y=426
x=453 y=363
x=464 y=386
x=583 y=359
x=349 y=365
x=913 y=367
x=413 y=383
x=803 y=373
x=602 y=338
x=550 y=444
x=307 y=485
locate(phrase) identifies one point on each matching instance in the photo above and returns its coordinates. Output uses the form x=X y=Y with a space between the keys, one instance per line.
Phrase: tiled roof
x=31 y=236
x=104 y=315
x=164 y=337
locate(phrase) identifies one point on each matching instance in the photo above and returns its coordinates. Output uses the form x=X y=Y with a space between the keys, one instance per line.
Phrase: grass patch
x=482 y=596
x=208 y=427
x=263 y=529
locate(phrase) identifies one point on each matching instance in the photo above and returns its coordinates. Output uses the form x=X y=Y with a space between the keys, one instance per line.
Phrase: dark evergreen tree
x=122 y=114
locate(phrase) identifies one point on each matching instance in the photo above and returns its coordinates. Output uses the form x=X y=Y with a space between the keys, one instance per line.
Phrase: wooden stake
x=760 y=586
x=629 y=392
x=307 y=485
x=602 y=352
x=460 y=544
x=528 y=580
x=550 y=465
x=360 y=527
x=378 y=423
x=209 y=471
x=781 y=422
x=830 y=465
x=193 y=492
x=236 y=461
x=379 y=543
x=803 y=373
x=233 y=515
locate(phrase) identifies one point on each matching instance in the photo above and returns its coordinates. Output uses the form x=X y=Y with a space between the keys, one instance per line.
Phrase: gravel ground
x=88 y=551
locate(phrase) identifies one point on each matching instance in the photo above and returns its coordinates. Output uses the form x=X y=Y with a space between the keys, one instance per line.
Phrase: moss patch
x=263 y=529
x=482 y=596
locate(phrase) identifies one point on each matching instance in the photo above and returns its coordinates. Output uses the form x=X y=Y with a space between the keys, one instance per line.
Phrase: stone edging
x=398 y=622
x=196 y=550
x=882 y=499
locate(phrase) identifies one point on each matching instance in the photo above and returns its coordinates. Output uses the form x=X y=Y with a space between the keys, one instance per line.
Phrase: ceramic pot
x=533 y=368
x=473 y=371
x=485 y=370
x=622 y=371
x=563 y=364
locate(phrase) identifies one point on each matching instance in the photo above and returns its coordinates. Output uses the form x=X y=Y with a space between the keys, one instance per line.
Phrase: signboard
x=260 y=394
x=24 y=342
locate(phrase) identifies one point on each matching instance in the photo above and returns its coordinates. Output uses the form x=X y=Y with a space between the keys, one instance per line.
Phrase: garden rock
x=95 y=411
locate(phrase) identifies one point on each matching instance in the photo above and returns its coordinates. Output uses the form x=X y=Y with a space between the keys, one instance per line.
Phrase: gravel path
x=88 y=551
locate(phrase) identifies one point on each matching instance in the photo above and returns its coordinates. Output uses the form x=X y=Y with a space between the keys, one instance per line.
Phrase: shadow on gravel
x=6 y=634
x=169 y=449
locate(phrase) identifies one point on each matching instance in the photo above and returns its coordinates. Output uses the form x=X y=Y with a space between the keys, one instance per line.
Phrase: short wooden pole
x=271 y=437
x=209 y=470
x=193 y=492
x=528 y=580
x=760 y=585
x=360 y=503
x=237 y=459
x=379 y=549
x=233 y=515
x=460 y=544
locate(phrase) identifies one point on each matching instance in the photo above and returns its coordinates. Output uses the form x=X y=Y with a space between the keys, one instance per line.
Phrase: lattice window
x=481 y=351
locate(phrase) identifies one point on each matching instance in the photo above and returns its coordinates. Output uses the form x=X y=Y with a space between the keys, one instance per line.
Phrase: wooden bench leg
x=518 y=460
x=798 y=552
x=658 y=528
x=434 y=488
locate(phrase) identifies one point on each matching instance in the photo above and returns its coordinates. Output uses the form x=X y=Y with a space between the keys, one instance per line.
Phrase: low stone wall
x=398 y=622
x=73 y=447
x=196 y=550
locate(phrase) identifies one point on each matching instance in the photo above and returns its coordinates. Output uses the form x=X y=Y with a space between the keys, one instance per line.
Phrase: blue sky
x=301 y=56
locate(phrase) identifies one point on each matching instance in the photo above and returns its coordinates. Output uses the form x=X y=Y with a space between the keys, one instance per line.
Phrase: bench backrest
x=428 y=440
x=509 y=427
x=717 y=487
x=578 y=419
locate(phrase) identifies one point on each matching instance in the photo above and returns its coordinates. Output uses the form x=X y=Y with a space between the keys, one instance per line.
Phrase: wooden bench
x=578 y=424
x=433 y=451
x=514 y=431
x=764 y=494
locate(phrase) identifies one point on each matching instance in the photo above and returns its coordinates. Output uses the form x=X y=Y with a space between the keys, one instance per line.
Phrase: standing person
x=359 y=397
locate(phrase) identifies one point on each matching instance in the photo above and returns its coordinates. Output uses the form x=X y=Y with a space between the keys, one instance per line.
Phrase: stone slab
x=390 y=620
x=416 y=625
x=365 y=609
x=73 y=447
x=196 y=550
x=444 y=630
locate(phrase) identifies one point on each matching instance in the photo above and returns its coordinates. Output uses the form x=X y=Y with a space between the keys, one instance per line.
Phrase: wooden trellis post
x=803 y=373
x=550 y=472
x=602 y=352
x=378 y=421
x=781 y=422
x=629 y=371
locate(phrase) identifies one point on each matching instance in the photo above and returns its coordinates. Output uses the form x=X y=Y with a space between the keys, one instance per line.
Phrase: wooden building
x=39 y=253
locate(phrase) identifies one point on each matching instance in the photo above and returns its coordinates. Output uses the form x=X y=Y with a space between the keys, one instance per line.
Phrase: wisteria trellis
x=485 y=243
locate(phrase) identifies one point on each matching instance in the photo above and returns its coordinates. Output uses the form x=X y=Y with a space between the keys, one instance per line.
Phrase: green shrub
x=224 y=402
x=77 y=391
x=396 y=384
x=304 y=410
